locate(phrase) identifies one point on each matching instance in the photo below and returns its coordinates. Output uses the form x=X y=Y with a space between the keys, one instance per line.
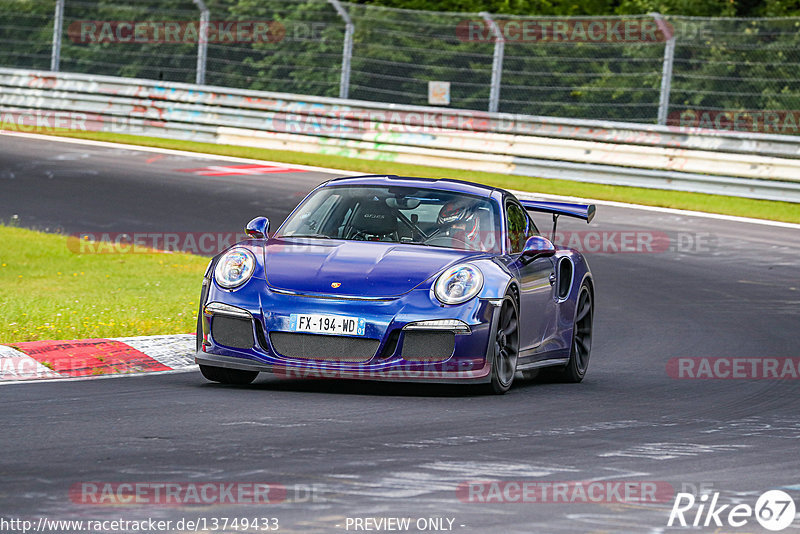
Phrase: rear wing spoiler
x=579 y=211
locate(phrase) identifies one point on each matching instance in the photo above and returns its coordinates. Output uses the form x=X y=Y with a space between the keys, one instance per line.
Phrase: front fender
x=496 y=279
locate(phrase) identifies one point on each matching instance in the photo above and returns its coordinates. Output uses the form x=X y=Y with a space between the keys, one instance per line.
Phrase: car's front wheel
x=506 y=347
x=228 y=376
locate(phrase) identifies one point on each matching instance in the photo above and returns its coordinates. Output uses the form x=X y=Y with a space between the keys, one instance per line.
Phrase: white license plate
x=327 y=324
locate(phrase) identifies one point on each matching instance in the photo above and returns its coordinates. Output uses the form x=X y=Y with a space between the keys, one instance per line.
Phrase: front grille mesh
x=323 y=347
x=430 y=346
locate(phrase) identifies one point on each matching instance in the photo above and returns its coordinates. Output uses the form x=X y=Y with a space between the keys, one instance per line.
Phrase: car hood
x=361 y=269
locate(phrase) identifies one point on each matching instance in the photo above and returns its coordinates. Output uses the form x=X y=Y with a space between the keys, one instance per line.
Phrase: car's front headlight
x=458 y=284
x=234 y=268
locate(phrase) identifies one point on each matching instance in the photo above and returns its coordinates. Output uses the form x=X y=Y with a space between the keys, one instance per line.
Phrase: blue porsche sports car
x=403 y=279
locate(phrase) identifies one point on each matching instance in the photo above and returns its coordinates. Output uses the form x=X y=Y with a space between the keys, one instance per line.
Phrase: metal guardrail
x=729 y=163
x=633 y=68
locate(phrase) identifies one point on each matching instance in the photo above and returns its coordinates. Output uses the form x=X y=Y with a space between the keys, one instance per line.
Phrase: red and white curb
x=37 y=360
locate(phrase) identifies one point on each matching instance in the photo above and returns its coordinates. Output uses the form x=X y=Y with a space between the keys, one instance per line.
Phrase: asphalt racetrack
x=348 y=450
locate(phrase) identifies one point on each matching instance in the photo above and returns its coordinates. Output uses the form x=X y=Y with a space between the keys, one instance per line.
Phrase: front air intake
x=428 y=346
x=232 y=331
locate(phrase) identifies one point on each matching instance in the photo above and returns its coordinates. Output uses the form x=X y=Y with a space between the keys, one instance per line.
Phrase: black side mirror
x=257 y=228
x=538 y=246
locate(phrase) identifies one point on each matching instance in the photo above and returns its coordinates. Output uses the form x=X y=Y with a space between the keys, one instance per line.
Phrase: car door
x=536 y=280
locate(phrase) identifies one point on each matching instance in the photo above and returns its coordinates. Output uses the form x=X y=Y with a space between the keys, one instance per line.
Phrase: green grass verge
x=49 y=292
x=744 y=207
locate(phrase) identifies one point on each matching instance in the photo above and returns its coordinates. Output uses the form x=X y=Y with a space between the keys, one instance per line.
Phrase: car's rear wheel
x=506 y=347
x=228 y=376
x=575 y=369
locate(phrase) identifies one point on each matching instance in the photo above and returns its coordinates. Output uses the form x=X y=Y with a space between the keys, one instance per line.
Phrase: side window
x=519 y=226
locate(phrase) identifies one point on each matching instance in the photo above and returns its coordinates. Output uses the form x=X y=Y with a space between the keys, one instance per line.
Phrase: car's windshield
x=397 y=214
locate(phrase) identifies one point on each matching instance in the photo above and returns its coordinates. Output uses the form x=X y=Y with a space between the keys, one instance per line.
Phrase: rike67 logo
x=774 y=510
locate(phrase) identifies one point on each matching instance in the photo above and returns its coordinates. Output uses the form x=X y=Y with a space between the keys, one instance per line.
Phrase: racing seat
x=373 y=220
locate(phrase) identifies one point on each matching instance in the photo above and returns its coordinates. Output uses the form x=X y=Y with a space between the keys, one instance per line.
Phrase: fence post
x=58 y=24
x=202 y=43
x=666 y=70
x=497 y=62
x=347 y=48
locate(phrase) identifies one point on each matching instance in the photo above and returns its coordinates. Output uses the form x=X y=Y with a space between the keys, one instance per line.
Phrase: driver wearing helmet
x=459 y=220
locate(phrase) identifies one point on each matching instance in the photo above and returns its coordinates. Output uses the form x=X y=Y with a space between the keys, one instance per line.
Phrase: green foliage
x=505 y=7
x=48 y=291
x=693 y=8
x=720 y=63
x=689 y=8
x=26 y=33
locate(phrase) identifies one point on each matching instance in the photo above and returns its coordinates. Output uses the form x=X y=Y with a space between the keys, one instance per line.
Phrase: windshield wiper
x=423 y=244
x=320 y=236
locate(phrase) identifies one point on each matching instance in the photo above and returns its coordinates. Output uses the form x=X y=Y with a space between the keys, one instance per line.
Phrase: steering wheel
x=361 y=235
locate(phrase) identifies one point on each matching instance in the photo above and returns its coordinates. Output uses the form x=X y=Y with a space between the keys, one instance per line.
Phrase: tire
x=581 y=346
x=504 y=347
x=228 y=376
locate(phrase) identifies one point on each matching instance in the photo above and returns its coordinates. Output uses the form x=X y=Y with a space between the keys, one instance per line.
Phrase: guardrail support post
x=347 y=48
x=666 y=70
x=497 y=62
x=58 y=24
x=202 y=43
